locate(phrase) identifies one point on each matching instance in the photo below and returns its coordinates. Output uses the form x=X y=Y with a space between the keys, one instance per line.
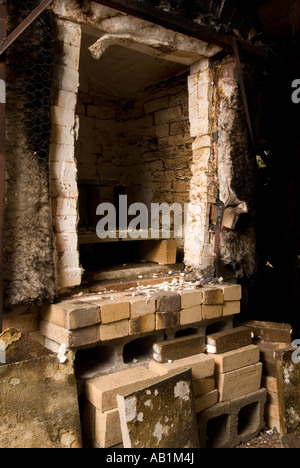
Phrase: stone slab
x=229 y=340
x=161 y=415
x=39 y=403
x=179 y=348
x=288 y=378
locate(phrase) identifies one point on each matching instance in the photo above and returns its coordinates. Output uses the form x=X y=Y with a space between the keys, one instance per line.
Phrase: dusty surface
x=266 y=440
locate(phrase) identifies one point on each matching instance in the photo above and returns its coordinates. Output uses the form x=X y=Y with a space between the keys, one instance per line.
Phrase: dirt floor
x=266 y=440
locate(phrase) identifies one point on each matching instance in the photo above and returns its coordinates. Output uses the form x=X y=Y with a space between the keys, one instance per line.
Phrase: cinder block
x=166 y=320
x=229 y=340
x=216 y=428
x=202 y=366
x=269 y=331
x=203 y=386
x=228 y=424
x=115 y=330
x=237 y=359
x=206 y=401
x=179 y=348
x=240 y=382
x=71 y=315
x=249 y=411
x=108 y=428
x=212 y=311
x=191 y=298
x=102 y=392
x=191 y=315
x=231 y=308
x=232 y=292
x=144 y=324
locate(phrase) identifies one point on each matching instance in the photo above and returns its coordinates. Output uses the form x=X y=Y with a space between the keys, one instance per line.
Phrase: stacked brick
x=229 y=402
x=272 y=339
x=239 y=414
x=94 y=319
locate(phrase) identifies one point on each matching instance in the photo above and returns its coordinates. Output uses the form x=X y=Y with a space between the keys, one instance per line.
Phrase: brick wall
x=64 y=189
x=142 y=142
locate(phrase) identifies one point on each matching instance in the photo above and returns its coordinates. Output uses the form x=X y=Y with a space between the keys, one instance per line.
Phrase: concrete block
x=206 y=401
x=71 y=315
x=191 y=298
x=216 y=428
x=202 y=366
x=115 y=330
x=144 y=324
x=102 y=392
x=212 y=311
x=179 y=348
x=236 y=359
x=239 y=382
x=108 y=428
x=161 y=415
x=191 y=315
x=229 y=424
x=229 y=340
x=248 y=411
x=269 y=331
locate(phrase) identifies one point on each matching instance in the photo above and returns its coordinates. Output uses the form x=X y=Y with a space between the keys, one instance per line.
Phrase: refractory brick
x=179 y=348
x=202 y=366
x=229 y=340
x=239 y=382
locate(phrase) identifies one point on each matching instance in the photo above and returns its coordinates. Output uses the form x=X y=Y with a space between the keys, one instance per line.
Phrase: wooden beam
x=177 y=23
x=8 y=41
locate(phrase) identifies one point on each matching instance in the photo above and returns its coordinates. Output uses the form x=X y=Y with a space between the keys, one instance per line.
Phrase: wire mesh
x=29 y=77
